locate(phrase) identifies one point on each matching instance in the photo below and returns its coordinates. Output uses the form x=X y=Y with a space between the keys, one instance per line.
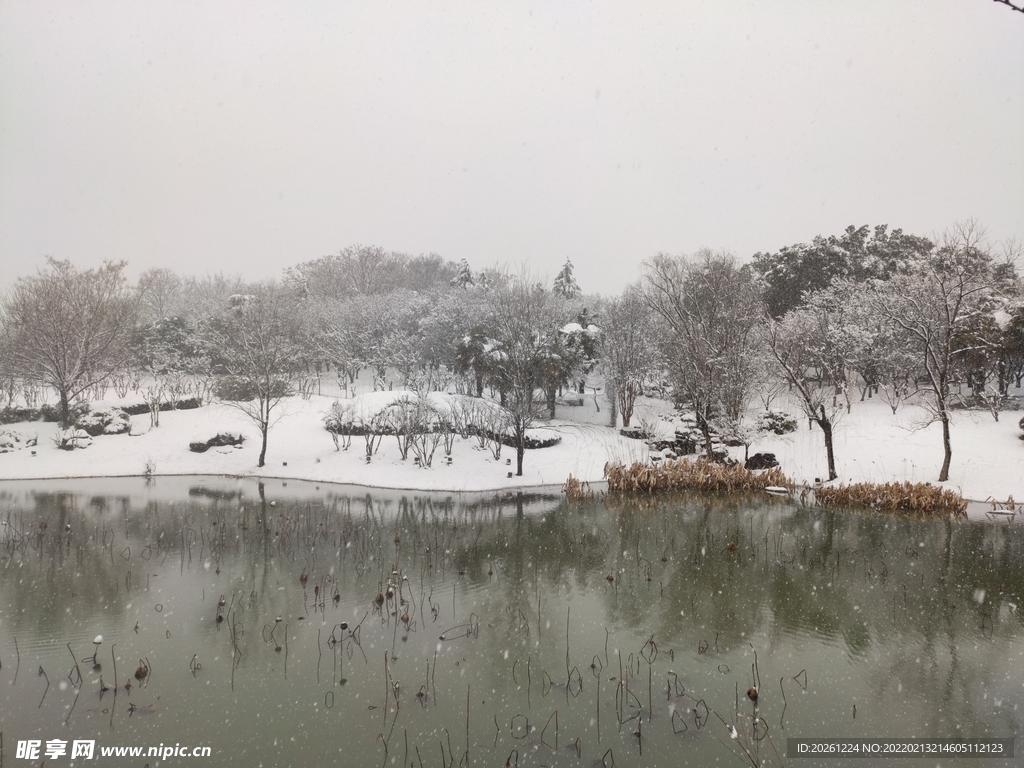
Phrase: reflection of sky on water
x=861 y=625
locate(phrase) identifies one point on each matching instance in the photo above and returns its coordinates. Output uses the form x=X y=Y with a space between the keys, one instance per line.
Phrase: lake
x=286 y=624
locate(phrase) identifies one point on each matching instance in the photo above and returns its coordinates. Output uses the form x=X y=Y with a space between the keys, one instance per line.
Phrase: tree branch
x=1011 y=5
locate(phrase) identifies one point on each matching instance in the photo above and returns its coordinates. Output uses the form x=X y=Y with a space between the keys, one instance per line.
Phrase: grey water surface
x=510 y=629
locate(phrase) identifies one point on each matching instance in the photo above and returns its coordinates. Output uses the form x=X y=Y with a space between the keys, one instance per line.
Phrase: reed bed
x=913 y=499
x=575 y=491
x=686 y=475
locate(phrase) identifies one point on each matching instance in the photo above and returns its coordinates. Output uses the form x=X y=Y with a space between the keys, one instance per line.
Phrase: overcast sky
x=246 y=137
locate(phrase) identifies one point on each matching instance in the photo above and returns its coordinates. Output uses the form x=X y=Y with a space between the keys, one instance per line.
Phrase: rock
x=761 y=461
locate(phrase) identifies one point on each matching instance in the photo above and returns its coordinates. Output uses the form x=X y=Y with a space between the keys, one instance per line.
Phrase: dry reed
x=576 y=491
x=686 y=475
x=914 y=499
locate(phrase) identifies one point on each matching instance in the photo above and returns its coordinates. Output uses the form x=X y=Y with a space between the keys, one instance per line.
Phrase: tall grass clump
x=686 y=475
x=914 y=499
x=575 y=491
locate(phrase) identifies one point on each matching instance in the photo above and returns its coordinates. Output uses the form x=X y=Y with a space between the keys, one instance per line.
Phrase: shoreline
x=872 y=446
x=975 y=506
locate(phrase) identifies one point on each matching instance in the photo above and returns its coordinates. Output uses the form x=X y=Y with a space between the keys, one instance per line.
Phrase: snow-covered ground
x=871 y=444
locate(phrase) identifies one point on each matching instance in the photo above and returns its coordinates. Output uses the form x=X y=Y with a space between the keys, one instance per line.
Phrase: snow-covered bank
x=871 y=445
x=300 y=448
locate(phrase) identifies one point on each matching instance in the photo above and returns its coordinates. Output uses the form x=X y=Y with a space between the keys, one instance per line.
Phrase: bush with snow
x=71 y=439
x=205 y=443
x=187 y=403
x=104 y=421
x=776 y=422
x=15 y=441
x=45 y=412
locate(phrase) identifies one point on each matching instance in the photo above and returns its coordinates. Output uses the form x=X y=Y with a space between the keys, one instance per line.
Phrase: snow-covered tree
x=935 y=303
x=69 y=328
x=523 y=318
x=859 y=254
x=710 y=310
x=256 y=340
x=627 y=348
x=565 y=284
x=810 y=347
x=463 y=276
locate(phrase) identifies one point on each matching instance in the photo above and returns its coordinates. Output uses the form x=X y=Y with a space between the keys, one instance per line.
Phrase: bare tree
x=711 y=310
x=934 y=304
x=255 y=341
x=628 y=350
x=69 y=329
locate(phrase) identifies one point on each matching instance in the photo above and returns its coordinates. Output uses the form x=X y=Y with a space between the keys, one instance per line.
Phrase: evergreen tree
x=565 y=284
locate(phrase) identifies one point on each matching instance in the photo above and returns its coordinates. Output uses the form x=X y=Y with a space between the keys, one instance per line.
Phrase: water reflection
x=287 y=623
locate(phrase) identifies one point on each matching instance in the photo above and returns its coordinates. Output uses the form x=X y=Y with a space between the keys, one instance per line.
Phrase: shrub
x=220 y=439
x=45 y=412
x=12 y=441
x=70 y=439
x=11 y=415
x=534 y=439
x=776 y=422
x=186 y=404
x=108 y=421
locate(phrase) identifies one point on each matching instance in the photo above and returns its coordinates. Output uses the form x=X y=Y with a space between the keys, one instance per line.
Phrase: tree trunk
x=65 y=409
x=947 y=447
x=520 y=450
x=551 y=402
x=264 y=428
x=479 y=385
x=826 y=428
x=705 y=430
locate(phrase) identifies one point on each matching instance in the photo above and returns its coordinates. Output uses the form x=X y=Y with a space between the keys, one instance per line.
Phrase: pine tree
x=565 y=284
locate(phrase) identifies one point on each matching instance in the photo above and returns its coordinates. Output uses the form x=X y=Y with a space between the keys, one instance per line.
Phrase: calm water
x=511 y=629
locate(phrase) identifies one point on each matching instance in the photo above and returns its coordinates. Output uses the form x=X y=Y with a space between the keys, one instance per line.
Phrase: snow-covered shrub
x=45 y=412
x=188 y=403
x=70 y=439
x=12 y=415
x=339 y=422
x=776 y=422
x=203 y=444
x=15 y=441
x=537 y=438
x=104 y=421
